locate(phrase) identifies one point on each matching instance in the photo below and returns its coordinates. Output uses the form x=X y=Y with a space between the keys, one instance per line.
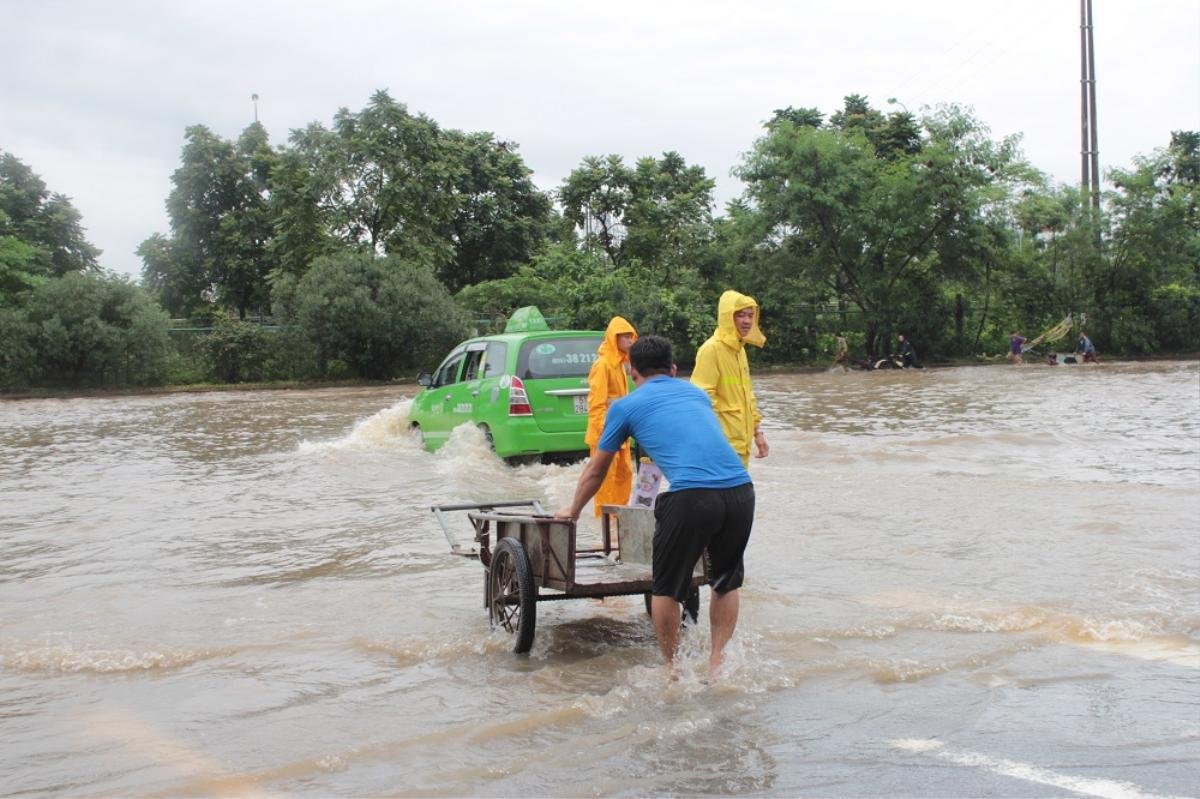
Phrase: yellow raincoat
x=723 y=371
x=608 y=381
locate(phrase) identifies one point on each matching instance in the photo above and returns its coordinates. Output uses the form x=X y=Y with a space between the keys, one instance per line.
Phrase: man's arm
x=589 y=483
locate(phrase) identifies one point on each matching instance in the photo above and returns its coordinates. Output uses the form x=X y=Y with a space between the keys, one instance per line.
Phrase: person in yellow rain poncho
x=723 y=371
x=608 y=381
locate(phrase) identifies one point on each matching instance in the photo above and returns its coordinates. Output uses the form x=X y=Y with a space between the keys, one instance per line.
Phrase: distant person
x=1014 y=347
x=906 y=353
x=608 y=381
x=1085 y=348
x=711 y=502
x=723 y=372
x=842 y=352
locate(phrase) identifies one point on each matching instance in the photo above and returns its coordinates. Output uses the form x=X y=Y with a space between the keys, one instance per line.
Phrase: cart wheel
x=691 y=608
x=512 y=594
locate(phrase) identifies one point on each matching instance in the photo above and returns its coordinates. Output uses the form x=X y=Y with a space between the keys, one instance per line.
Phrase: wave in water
x=1146 y=636
x=68 y=659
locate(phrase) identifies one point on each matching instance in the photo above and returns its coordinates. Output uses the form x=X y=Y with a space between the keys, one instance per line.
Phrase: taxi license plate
x=580 y=403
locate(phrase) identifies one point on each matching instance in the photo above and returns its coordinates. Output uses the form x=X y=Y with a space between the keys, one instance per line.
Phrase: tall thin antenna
x=1095 y=147
x=1089 y=178
x=1084 y=138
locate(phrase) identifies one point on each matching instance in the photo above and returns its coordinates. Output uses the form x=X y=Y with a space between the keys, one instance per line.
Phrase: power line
x=1005 y=30
x=947 y=52
x=1046 y=10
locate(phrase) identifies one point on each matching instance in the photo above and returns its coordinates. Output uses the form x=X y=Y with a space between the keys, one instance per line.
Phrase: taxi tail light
x=518 y=400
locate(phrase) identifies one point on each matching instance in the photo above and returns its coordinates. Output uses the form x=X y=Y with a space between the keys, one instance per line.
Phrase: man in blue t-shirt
x=711 y=501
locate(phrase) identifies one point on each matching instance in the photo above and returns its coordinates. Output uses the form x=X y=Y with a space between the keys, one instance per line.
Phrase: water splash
x=387 y=429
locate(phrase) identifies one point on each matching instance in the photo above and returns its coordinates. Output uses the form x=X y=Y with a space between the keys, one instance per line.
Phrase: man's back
x=674 y=423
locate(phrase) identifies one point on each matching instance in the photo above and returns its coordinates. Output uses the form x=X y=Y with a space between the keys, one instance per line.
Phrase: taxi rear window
x=557 y=357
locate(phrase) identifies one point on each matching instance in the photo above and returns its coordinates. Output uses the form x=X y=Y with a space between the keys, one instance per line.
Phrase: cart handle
x=455 y=547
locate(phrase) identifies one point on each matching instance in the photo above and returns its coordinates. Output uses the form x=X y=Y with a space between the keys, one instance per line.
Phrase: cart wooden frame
x=530 y=556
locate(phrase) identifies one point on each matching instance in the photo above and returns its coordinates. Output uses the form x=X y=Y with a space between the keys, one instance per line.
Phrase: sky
x=95 y=96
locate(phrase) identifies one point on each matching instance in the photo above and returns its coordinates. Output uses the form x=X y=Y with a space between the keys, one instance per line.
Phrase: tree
x=40 y=232
x=221 y=229
x=246 y=233
x=379 y=316
x=595 y=198
x=800 y=117
x=301 y=235
x=500 y=217
x=384 y=180
x=91 y=329
x=656 y=216
x=880 y=229
x=1150 y=288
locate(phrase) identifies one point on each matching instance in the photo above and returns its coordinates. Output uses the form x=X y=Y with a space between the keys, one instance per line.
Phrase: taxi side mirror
x=425 y=379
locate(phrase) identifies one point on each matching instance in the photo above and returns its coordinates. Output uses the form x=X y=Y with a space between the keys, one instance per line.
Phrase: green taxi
x=526 y=389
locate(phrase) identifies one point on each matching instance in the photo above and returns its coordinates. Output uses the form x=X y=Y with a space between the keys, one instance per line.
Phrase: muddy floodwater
x=961 y=582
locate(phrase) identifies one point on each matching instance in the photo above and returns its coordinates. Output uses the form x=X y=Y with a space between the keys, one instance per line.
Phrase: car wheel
x=487 y=434
x=414 y=430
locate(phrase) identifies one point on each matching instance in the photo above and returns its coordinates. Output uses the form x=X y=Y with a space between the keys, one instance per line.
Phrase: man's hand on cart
x=589 y=483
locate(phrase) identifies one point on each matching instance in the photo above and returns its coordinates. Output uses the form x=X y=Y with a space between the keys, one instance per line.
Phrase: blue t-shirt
x=673 y=421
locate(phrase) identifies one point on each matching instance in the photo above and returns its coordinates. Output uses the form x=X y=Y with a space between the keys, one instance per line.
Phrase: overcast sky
x=95 y=96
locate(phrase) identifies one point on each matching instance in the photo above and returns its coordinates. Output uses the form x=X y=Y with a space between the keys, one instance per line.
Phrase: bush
x=380 y=316
x=16 y=349
x=235 y=351
x=1176 y=316
x=86 y=329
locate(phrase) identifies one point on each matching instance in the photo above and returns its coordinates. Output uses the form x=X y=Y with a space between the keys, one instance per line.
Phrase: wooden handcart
x=529 y=556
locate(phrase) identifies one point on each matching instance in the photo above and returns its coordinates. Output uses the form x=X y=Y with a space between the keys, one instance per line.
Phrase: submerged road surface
x=961 y=582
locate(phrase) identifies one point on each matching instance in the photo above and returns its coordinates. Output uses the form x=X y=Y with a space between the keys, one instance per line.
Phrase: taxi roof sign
x=526 y=320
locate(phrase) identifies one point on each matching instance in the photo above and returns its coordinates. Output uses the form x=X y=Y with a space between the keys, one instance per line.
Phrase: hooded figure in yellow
x=607 y=382
x=723 y=371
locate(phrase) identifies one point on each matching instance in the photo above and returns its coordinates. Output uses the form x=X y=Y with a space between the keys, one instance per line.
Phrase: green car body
x=526 y=390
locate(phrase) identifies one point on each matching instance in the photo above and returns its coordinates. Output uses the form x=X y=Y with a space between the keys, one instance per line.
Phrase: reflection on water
x=952 y=571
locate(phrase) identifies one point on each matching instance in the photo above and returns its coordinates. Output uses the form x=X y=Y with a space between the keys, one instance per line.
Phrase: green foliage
x=1176 y=311
x=221 y=227
x=85 y=329
x=300 y=234
x=655 y=217
x=495 y=299
x=40 y=232
x=876 y=216
x=236 y=351
x=870 y=222
x=18 y=357
x=500 y=218
x=379 y=316
x=383 y=179
x=18 y=268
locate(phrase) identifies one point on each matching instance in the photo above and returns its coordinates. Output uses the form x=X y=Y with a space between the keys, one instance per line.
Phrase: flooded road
x=961 y=582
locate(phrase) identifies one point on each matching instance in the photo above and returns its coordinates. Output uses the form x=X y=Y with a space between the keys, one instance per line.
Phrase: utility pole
x=1089 y=181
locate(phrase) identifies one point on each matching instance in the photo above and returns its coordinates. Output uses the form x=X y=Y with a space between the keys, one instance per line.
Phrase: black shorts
x=689 y=521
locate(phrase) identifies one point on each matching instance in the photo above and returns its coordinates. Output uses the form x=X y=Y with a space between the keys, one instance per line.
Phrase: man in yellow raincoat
x=723 y=371
x=608 y=381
